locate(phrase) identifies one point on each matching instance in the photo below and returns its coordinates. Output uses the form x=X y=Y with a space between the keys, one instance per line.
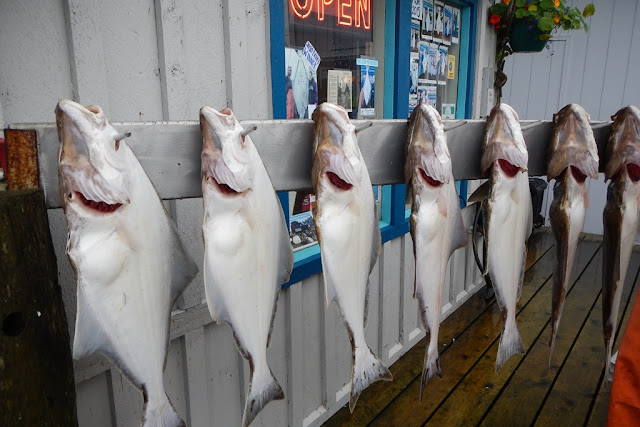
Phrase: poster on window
x=340 y=88
x=414 y=66
x=455 y=25
x=438 y=21
x=432 y=63
x=447 y=25
x=442 y=59
x=427 y=19
x=302 y=230
x=431 y=96
x=423 y=62
x=448 y=111
x=415 y=35
x=416 y=9
x=367 y=90
x=300 y=79
x=413 y=103
x=451 y=67
x=422 y=95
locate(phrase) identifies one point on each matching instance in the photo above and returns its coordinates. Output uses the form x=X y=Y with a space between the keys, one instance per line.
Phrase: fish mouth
x=338 y=182
x=509 y=169
x=430 y=181
x=222 y=187
x=578 y=175
x=633 y=171
x=98 y=206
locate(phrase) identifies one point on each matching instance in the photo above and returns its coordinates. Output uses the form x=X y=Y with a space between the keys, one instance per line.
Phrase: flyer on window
x=427 y=19
x=302 y=230
x=432 y=63
x=438 y=21
x=416 y=9
x=422 y=95
x=455 y=25
x=432 y=96
x=423 y=62
x=447 y=25
x=299 y=78
x=448 y=111
x=414 y=67
x=415 y=35
x=340 y=86
x=451 y=67
x=367 y=91
x=442 y=59
x=413 y=103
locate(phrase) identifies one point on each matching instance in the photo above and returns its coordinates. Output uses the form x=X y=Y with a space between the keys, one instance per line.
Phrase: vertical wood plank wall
x=144 y=60
x=598 y=70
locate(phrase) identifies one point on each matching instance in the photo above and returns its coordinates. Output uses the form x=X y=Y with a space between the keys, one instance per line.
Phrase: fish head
x=623 y=147
x=573 y=145
x=428 y=157
x=227 y=165
x=337 y=156
x=503 y=144
x=93 y=161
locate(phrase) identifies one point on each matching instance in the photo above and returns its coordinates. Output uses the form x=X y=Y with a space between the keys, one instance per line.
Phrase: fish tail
x=510 y=342
x=263 y=388
x=367 y=369
x=552 y=340
x=431 y=368
x=161 y=415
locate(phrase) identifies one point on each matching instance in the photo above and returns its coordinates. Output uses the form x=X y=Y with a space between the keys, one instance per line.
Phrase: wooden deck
x=526 y=391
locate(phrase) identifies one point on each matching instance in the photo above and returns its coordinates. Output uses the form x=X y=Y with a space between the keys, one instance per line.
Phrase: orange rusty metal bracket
x=22 y=159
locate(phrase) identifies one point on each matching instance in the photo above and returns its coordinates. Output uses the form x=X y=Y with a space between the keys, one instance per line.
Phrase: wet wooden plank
x=22 y=159
x=480 y=387
x=461 y=356
x=409 y=368
x=527 y=389
x=570 y=398
x=600 y=408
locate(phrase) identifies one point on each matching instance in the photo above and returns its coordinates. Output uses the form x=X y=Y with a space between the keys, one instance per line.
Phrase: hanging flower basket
x=524 y=36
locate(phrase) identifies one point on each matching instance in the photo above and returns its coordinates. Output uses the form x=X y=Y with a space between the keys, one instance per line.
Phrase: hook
x=363 y=126
x=455 y=125
x=246 y=131
x=531 y=125
x=123 y=135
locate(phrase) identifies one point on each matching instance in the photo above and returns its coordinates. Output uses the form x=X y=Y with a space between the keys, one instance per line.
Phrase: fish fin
x=329 y=290
x=611 y=269
x=522 y=268
x=430 y=369
x=510 y=343
x=375 y=252
x=183 y=268
x=366 y=369
x=481 y=193
x=262 y=389
x=459 y=238
x=286 y=252
x=89 y=335
x=160 y=415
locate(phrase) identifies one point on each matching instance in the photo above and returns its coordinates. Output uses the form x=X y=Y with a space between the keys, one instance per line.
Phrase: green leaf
x=520 y=3
x=545 y=23
x=589 y=10
x=546 y=4
x=498 y=9
x=520 y=13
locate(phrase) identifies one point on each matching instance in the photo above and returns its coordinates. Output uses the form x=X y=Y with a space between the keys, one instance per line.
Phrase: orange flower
x=556 y=3
x=509 y=1
x=494 y=19
x=556 y=18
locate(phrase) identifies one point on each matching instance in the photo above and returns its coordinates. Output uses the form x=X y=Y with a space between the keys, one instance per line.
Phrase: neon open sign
x=348 y=13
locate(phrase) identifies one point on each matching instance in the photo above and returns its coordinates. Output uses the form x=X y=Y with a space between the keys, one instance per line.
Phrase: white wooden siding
x=598 y=70
x=163 y=60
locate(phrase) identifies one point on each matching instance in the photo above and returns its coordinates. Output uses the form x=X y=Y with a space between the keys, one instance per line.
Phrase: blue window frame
x=394 y=217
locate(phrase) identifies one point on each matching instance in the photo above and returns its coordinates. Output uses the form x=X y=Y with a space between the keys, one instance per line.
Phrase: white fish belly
x=241 y=272
x=508 y=229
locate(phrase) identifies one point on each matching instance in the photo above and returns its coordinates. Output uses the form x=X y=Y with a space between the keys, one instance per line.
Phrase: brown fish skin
x=620 y=216
x=573 y=156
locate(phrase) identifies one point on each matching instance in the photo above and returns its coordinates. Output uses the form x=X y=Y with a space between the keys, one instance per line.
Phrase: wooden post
x=22 y=159
x=36 y=372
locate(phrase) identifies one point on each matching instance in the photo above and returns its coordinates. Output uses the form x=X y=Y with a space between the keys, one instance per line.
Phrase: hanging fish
x=348 y=233
x=125 y=250
x=509 y=216
x=436 y=222
x=573 y=156
x=620 y=214
x=248 y=254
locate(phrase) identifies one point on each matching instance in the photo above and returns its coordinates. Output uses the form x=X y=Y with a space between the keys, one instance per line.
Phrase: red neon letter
x=363 y=9
x=321 y=5
x=343 y=18
x=301 y=11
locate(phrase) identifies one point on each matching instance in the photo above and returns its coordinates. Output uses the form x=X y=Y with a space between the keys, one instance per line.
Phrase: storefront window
x=332 y=54
x=435 y=56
